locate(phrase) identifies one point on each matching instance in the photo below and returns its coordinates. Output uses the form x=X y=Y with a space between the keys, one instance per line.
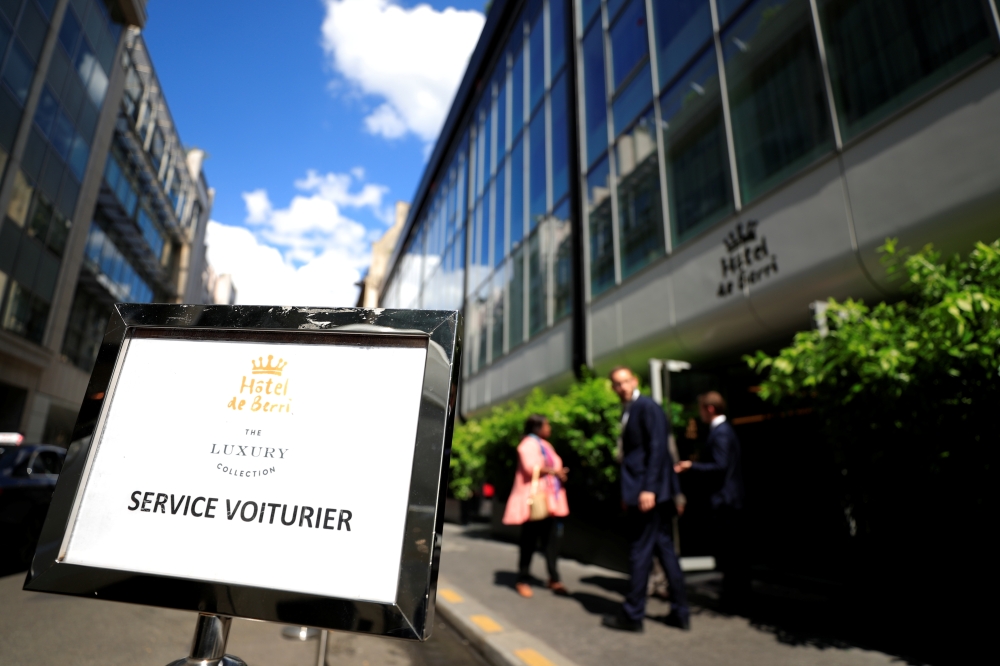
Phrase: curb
x=492 y=634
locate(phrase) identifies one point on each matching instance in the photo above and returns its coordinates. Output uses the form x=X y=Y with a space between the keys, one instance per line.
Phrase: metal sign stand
x=209 y=645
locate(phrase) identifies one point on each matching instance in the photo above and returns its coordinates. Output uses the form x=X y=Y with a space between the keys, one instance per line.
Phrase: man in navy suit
x=649 y=485
x=722 y=466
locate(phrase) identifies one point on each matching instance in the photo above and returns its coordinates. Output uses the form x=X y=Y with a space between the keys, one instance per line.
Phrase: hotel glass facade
x=645 y=127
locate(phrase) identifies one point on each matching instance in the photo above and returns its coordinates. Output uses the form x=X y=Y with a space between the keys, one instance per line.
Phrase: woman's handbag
x=537 y=500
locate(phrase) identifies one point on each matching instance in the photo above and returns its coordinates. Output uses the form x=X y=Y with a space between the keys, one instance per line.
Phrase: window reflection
x=536 y=285
x=883 y=54
x=694 y=136
x=682 y=28
x=536 y=170
x=595 y=96
x=640 y=212
x=602 y=251
x=516 y=294
x=779 y=110
x=629 y=42
x=496 y=310
x=561 y=261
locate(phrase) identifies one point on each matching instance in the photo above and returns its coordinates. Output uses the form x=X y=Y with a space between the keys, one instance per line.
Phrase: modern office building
x=102 y=202
x=622 y=180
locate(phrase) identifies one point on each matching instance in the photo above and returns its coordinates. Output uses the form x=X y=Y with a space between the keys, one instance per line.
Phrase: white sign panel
x=281 y=466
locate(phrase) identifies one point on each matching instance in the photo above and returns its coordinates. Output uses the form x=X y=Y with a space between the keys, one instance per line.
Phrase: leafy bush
x=585 y=424
x=907 y=392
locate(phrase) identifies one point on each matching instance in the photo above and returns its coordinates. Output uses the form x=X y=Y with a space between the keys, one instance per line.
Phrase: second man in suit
x=649 y=486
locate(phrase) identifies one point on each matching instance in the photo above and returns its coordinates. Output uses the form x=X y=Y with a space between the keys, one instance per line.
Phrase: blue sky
x=317 y=116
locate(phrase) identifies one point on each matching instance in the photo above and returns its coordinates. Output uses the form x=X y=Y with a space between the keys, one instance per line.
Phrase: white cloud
x=413 y=59
x=308 y=253
x=262 y=277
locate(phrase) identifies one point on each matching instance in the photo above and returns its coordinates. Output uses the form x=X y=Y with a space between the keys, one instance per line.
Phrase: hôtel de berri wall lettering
x=747 y=260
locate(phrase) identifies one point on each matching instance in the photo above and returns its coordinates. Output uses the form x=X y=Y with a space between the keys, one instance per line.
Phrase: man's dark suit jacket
x=722 y=453
x=646 y=460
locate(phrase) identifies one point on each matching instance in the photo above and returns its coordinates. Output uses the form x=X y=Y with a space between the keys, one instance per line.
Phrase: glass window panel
x=727 y=8
x=517 y=88
x=562 y=262
x=778 y=106
x=536 y=57
x=640 y=210
x=5 y=35
x=595 y=96
x=58 y=233
x=17 y=72
x=482 y=324
x=41 y=213
x=501 y=118
x=694 y=136
x=78 y=156
x=26 y=263
x=602 y=252
x=45 y=278
x=20 y=199
x=460 y=176
x=682 y=27
x=614 y=6
x=633 y=100
x=496 y=316
x=629 y=41
x=48 y=107
x=480 y=155
x=590 y=9
x=69 y=33
x=884 y=54
x=557 y=36
x=499 y=218
x=516 y=293
x=484 y=246
x=487 y=139
x=32 y=29
x=536 y=285
x=25 y=314
x=536 y=170
x=517 y=193
x=560 y=140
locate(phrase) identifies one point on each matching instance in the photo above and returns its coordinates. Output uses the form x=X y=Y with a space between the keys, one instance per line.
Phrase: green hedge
x=585 y=422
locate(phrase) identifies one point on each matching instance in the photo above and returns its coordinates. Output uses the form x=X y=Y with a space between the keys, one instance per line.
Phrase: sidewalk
x=567 y=630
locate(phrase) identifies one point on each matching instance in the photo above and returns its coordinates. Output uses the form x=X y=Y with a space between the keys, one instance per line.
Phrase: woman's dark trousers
x=548 y=533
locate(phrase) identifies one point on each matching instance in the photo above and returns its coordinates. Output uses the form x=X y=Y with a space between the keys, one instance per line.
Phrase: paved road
x=485 y=569
x=50 y=629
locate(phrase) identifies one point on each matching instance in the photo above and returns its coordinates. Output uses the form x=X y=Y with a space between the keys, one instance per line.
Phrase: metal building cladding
x=625 y=179
x=101 y=201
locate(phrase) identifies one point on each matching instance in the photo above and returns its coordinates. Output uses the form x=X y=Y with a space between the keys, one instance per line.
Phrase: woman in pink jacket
x=537 y=459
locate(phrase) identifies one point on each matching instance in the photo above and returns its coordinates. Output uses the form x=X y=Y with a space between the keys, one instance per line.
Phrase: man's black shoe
x=682 y=622
x=622 y=623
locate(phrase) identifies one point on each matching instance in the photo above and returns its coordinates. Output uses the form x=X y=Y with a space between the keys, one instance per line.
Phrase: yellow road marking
x=486 y=623
x=532 y=658
x=450 y=595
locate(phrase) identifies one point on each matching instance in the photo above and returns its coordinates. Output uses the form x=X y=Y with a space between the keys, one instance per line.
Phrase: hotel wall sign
x=274 y=463
x=747 y=260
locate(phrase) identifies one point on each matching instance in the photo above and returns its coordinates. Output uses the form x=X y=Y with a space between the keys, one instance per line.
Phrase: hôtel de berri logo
x=266 y=391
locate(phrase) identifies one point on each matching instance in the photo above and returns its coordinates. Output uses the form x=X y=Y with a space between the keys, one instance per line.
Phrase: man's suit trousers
x=650 y=534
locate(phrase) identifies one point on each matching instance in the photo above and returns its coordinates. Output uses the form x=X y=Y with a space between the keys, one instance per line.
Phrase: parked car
x=28 y=475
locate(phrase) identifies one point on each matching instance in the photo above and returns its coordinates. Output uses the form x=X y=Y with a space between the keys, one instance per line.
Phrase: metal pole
x=321 y=654
x=209 y=645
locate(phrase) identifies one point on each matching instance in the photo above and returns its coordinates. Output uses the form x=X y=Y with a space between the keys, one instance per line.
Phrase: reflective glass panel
x=496 y=312
x=602 y=249
x=536 y=285
x=640 y=211
x=595 y=96
x=561 y=261
x=778 y=106
x=560 y=140
x=629 y=41
x=590 y=9
x=536 y=43
x=694 y=136
x=499 y=219
x=517 y=193
x=501 y=117
x=517 y=91
x=884 y=53
x=516 y=294
x=536 y=171
x=557 y=38
x=681 y=27
x=633 y=100
x=727 y=8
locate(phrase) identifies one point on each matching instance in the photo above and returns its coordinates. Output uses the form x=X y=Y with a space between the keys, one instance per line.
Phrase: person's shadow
x=592 y=603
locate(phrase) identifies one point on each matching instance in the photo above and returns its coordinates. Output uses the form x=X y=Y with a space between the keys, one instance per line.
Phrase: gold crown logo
x=269 y=369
